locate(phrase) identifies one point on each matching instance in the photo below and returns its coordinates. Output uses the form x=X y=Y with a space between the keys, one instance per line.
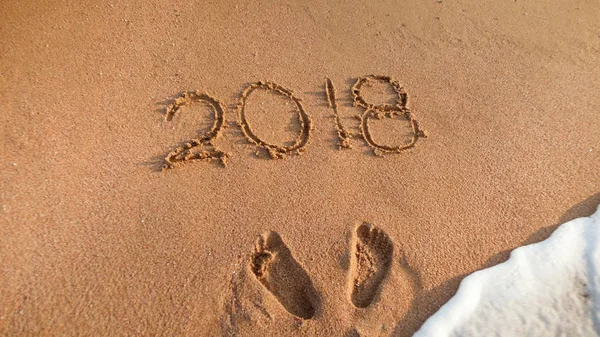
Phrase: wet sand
x=98 y=239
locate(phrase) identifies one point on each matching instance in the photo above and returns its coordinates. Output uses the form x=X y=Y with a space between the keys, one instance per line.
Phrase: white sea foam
x=551 y=288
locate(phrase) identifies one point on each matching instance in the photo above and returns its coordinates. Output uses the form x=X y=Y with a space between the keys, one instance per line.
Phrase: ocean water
x=551 y=288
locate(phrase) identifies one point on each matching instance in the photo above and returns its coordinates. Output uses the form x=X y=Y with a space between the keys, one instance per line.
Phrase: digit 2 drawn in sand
x=275 y=151
x=385 y=111
x=184 y=153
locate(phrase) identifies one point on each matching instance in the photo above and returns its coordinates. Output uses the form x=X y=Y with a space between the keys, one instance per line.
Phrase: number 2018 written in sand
x=204 y=148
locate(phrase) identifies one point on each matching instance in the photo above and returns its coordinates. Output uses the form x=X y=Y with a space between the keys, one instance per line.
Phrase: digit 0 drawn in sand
x=370 y=261
x=184 y=153
x=274 y=266
x=344 y=136
x=385 y=111
x=275 y=151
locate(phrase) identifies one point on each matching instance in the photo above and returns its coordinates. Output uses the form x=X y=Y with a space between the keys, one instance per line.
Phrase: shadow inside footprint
x=275 y=267
x=371 y=257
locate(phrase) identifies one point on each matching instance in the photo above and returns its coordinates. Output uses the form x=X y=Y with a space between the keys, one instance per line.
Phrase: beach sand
x=97 y=240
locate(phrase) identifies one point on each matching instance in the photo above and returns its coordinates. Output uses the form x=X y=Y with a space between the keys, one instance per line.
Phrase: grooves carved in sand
x=183 y=153
x=344 y=136
x=371 y=258
x=275 y=151
x=385 y=111
x=274 y=266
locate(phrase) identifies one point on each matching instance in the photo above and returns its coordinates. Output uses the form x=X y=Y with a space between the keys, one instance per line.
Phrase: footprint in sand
x=371 y=257
x=275 y=267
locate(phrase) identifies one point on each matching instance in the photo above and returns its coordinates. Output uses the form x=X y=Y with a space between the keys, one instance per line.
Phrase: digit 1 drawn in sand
x=344 y=136
x=183 y=153
x=385 y=111
x=275 y=151
x=371 y=257
x=275 y=267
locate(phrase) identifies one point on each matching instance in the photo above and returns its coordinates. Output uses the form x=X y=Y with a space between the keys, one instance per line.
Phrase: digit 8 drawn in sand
x=182 y=153
x=385 y=111
x=275 y=151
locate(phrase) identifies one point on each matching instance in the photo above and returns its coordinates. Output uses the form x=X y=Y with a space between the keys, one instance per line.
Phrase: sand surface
x=97 y=240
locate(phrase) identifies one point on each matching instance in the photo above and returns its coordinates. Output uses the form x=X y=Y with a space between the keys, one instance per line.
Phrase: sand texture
x=295 y=168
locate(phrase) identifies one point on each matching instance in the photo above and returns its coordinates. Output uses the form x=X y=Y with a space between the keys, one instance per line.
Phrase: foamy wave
x=551 y=288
